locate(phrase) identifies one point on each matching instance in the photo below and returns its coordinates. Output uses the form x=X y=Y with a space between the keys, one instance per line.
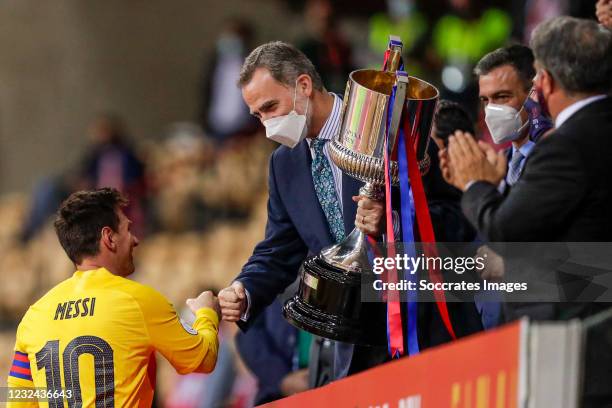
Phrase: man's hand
x=233 y=302
x=206 y=299
x=471 y=161
x=494 y=269
x=370 y=217
x=603 y=11
x=295 y=382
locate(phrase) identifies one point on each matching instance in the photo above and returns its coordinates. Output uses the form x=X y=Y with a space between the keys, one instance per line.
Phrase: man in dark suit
x=505 y=77
x=565 y=191
x=312 y=204
x=505 y=80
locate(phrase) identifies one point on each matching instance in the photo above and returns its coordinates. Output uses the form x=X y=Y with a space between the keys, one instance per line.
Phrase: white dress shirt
x=566 y=113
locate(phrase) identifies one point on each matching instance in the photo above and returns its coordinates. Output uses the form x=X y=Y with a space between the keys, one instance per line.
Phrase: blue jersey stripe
x=22 y=376
x=21 y=364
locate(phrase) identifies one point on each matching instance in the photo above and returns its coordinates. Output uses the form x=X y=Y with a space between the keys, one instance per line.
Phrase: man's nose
x=136 y=242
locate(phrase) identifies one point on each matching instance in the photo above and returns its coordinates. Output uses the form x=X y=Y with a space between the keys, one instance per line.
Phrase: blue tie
x=514 y=169
x=325 y=188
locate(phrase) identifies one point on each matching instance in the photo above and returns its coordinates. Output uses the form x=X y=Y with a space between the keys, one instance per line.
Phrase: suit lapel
x=302 y=189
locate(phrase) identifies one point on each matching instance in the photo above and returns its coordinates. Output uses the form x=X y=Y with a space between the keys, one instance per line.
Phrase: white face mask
x=290 y=129
x=504 y=122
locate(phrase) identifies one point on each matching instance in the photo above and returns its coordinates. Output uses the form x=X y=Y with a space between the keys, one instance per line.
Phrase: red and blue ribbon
x=395 y=336
x=426 y=232
x=407 y=214
x=413 y=206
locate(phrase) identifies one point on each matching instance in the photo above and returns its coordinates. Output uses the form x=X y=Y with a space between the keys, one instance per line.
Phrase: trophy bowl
x=358 y=150
x=328 y=301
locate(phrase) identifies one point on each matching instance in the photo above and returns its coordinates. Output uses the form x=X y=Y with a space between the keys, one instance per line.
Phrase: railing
x=522 y=364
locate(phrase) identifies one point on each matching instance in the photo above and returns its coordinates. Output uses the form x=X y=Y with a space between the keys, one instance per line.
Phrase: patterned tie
x=325 y=188
x=514 y=169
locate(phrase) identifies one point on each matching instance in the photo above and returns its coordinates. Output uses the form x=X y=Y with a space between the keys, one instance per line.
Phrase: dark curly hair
x=81 y=217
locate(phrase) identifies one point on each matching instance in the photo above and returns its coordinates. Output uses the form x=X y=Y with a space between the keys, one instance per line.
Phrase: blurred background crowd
x=142 y=97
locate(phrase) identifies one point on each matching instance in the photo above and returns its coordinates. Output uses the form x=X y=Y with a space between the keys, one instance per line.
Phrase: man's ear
x=304 y=84
x=107 y=238
x=548 y=83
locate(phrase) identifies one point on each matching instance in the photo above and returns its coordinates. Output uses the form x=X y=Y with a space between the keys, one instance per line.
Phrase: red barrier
x=477 y=371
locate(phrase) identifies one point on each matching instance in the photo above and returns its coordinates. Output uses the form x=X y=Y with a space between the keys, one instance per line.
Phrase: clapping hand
x=603 y=10
x=468 y=160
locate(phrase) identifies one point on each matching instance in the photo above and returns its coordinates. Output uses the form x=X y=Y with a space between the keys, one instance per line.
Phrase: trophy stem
x=350 y=254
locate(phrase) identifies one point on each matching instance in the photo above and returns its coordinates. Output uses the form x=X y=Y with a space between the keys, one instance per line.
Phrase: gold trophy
x=328 y=301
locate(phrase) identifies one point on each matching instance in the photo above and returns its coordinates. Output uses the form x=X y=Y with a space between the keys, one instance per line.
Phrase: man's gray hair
x=577 y=52
x=284 y=61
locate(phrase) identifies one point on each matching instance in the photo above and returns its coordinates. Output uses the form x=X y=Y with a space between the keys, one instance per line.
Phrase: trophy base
x=328 y=304
x=305 y=317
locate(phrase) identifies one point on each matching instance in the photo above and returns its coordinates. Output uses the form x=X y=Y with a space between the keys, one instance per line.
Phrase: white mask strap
x=295 y=98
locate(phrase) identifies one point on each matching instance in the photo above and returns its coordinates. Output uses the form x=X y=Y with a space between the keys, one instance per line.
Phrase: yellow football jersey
x=93 y=338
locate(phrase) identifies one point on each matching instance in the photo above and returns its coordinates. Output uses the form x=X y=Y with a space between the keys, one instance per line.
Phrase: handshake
x=230 y=304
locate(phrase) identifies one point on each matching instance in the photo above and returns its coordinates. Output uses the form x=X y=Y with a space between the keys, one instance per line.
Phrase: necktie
x=325 y=188
x=514 y=169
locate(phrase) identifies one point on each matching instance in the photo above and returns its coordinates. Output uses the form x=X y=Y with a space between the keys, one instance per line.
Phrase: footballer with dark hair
x=91 y=340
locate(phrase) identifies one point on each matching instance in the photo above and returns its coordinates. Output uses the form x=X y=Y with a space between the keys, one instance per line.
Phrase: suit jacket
x=564 y=194
x=296 y=229
x=296 y=226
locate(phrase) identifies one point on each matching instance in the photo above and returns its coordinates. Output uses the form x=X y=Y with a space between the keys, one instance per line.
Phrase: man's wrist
x=469 y=184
